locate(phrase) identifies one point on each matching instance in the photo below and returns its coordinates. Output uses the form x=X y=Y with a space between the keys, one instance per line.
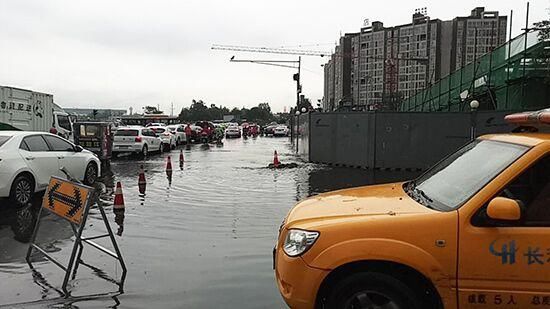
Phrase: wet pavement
x=201 y=239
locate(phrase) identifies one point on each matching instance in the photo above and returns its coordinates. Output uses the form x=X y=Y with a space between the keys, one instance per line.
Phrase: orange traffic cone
x=276 y=160
x=169 y=166
x=181 y=157
x=119 y=197
x=142 y=183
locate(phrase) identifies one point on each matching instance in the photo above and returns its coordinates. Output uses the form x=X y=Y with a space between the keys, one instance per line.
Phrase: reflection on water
x=200 y=237
x=119 y=220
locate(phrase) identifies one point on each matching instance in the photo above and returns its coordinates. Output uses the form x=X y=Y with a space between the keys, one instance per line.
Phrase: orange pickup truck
x=472 y=232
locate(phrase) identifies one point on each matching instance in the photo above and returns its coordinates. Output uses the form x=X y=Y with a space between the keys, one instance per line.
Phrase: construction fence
x=389 y=140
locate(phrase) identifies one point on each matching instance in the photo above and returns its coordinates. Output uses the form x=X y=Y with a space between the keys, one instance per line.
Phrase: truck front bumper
x=297 y=282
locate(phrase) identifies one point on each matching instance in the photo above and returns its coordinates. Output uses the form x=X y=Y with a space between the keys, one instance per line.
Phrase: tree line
x=199 y=110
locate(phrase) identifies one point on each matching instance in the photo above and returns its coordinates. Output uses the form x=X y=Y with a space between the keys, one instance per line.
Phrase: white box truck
x=27 y=110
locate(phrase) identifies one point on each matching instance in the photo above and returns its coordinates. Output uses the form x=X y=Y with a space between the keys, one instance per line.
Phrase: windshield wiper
x=418 y=195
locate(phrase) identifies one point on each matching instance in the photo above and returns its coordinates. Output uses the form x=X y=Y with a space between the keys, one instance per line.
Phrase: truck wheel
x=22 y=190
x=24 y=223
x=372 y=290
x=90 y=175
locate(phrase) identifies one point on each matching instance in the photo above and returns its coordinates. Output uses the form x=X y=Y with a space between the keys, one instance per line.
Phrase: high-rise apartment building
x=476 y=35
x=388 y=64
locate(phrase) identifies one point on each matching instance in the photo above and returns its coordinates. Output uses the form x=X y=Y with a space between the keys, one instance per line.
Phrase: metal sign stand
x=75 y=208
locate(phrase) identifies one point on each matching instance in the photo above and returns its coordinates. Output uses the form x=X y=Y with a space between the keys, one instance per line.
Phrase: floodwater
x=202 y=240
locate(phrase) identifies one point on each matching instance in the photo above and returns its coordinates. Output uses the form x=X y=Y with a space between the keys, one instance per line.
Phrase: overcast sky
x=117 y=54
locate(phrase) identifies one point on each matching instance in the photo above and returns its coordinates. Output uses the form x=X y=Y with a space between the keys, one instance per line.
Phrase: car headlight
x=299 y=241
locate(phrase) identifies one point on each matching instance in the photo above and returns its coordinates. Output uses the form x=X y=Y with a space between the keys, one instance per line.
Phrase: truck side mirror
x=501 y=208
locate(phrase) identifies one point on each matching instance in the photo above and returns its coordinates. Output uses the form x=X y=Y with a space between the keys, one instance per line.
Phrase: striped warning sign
x=66 y=199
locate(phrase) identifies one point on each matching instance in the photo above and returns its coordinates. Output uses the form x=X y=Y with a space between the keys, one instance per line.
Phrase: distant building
x=97 y=113
x=329 y=98
x=231 y=118
x=380 y=66
x=476 y=35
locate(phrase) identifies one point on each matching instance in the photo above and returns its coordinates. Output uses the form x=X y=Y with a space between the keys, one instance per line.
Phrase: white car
x=179 y=131
x=168 y=139
x=233 y=131
x=281 y=131
x=136 y=140
x=28 y=160
x=156 y=124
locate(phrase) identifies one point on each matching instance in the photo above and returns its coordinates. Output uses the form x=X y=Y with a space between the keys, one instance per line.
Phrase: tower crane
x=268 y=50
x=279 y=63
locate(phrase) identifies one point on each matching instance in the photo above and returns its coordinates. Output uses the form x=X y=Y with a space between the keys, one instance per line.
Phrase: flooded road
x=201 y=240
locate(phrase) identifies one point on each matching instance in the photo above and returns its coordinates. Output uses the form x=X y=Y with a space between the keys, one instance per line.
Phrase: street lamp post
x=297 y=129
x=474 y=105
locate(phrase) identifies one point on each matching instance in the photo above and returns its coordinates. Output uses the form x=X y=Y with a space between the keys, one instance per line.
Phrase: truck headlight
x=299 y=241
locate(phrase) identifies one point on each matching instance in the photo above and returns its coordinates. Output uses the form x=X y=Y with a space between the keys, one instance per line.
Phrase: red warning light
x=530 y=118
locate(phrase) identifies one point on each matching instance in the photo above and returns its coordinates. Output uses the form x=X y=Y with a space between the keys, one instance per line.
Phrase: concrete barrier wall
x=391 y=140
x=303 y=135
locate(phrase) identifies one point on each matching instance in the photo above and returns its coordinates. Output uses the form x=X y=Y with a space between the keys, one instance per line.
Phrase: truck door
x=507 y=263
x=39 y=159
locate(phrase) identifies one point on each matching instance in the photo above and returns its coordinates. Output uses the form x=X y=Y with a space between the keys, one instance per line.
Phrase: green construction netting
x=514 y=76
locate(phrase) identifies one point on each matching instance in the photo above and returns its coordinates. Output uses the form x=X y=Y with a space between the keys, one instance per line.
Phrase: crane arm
x=271 y=50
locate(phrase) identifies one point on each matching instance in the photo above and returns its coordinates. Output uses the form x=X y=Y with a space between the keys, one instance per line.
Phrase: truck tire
x=22 y=190
x=371 y=290
x=91 y=174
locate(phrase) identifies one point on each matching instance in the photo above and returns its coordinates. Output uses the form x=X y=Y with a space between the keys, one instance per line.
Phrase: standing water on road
x=201 y=240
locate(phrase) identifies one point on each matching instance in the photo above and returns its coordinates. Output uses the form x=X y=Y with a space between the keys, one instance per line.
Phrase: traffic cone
x=169 y=166
x=119 y=197
x=181 y=157
x=276 y=160
x=142 y=183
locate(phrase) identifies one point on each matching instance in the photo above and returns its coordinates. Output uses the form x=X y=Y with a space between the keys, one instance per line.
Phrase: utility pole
x=298 y=86
x=172 y=109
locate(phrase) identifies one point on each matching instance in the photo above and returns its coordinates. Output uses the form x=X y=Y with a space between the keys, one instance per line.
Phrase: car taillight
x=138 y=139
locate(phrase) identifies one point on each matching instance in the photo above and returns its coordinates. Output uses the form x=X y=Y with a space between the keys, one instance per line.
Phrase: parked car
x=281 y=130
x=168 y=139
x=270 y=128
x=232 y=131
x=194 y=133
x=29 y=159
x=156 y=124
x=137 y=140
x=468 y=233
x=179 y=131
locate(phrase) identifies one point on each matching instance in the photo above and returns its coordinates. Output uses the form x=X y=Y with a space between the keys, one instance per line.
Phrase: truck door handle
x=29 y=158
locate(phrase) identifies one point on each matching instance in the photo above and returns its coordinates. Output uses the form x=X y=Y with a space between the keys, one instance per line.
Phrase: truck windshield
x=4 y=139
x=126 y=133
x=457 y=178
x=64 y=122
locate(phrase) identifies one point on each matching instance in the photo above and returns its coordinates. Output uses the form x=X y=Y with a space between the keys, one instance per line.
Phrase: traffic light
x=94 y=113
x=296 y=77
